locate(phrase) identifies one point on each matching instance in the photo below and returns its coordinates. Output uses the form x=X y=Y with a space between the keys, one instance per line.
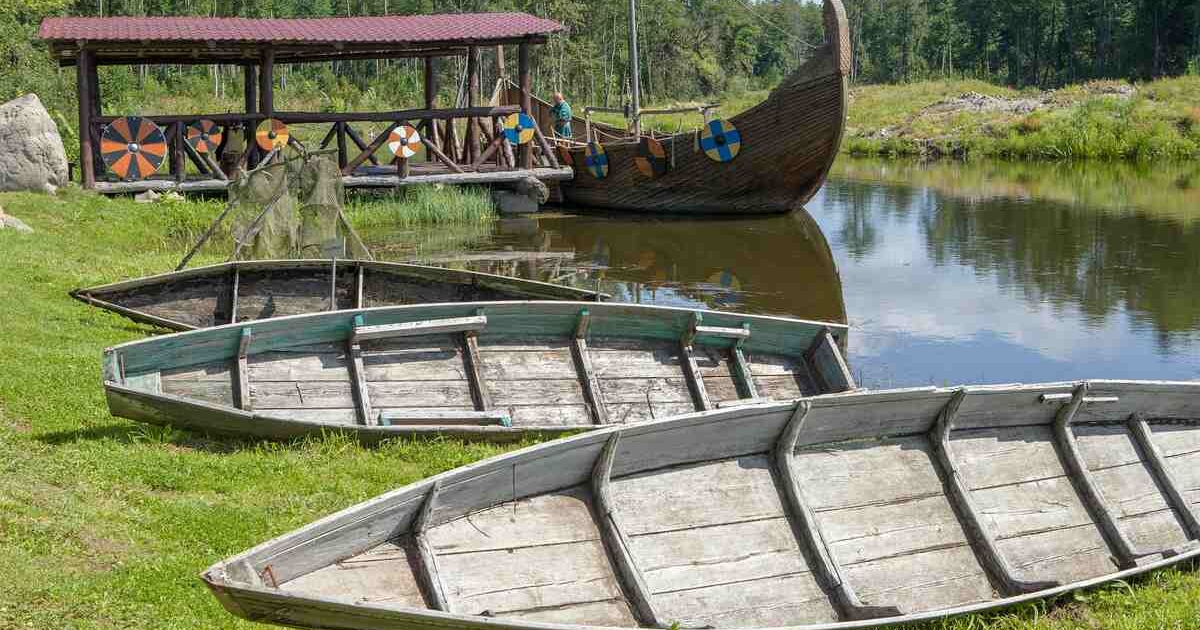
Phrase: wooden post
x=472 y=100
x=179 y=165
x=430 y=100
x=250 y=96
x=94 y=89
x=526 y=81
x=266 y=82
x=86 y=165
x=500 y=70
x=341 y=144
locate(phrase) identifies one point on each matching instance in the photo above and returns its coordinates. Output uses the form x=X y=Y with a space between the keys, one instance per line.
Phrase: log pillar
x=501 y=71
x=526 y=81
x=87 y=165
x=430 y=102
x=266 y=83
x=250 y=97
x=94 y=89
x=472 y=101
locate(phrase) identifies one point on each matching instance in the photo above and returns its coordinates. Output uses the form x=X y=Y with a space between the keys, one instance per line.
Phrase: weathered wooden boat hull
x=240 y=291
x=788 y=144
x=847 y=511
x=492 y=370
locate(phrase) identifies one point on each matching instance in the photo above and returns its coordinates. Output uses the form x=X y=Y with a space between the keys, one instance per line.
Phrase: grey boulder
x=31 y=151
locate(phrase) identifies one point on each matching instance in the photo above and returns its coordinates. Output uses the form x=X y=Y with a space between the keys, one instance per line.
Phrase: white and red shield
x=404 y=141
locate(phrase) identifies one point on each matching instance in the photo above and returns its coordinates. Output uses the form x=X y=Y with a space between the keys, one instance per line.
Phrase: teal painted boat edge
x=551 y=318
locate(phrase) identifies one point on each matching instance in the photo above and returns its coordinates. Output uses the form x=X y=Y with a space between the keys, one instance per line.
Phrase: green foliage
x=411 y=205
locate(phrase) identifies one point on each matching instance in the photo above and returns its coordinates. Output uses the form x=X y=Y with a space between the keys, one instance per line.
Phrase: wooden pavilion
x=481 y=155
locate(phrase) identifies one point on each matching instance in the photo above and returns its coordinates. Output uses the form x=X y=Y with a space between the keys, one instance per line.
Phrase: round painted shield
x=271 y=134
x=720 y=140
x=596 y=160
x=518 y=128
x=204 y=135
x=132 y=147
x=651 y=158
x=404 y=141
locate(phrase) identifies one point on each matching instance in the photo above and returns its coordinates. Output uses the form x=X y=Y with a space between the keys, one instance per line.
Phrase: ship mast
x=635 y=73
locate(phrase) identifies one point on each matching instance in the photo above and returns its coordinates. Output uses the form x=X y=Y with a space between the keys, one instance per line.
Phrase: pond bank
x=1107 y=120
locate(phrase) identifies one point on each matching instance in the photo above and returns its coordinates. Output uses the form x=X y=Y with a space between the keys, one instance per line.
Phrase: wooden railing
x=482 y=145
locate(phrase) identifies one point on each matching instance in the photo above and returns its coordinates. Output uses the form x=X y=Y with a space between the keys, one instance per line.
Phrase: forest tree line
x=690 y=49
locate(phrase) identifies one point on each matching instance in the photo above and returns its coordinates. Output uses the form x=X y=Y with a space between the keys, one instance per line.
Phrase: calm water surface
x=982 y=273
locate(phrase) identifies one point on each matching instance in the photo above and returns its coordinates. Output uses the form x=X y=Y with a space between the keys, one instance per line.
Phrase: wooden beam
x=348 y=169
x=266 y=82
x=827 y=365
x=358 y=378
x=743 y=378
x=479 y=392
x=525 y=79
x=233 y=292
x=848 y=603
x=430 y=85
x=1154 y=458
x=241 y=371
x=631 y=579
x=472 y=99
x=983 y=542
x=427 y=566
x=691 y=371
x=178 y=154
x=501 y=71
x=1126 y=553
x=585 y=372
x=359 y=284
x=360 y=143
x=432 y=148
x=548 y=151
x=341 y=144
x=87 y=164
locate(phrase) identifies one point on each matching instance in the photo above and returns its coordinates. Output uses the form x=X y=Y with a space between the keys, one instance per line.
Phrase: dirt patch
x=976 y=102
x=103 y=554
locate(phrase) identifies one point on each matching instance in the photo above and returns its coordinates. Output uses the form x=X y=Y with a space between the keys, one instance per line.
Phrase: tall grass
x=420 y=205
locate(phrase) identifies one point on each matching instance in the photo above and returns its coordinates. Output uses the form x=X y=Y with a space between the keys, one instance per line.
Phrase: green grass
x=1160 y=120
x=106 y=524
x=417 y=205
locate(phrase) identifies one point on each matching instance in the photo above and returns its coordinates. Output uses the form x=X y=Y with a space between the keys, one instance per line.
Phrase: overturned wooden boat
x=837 y=511
x=495 y=370
x=259 y=289
x=785 y=146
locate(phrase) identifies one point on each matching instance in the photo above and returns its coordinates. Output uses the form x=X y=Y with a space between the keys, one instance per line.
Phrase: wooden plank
x=427 y=567
x=691 y=372
x=982 y=538
x=428 y=327
x=1170 y=485
x=241 y=372
x=1102 y=513
x=827 y=365
x=851 y=607
x=480 y=393
x=584 y=370
x=381 y=575
x=233 y=295
x=348 y=168
x=937 y=579
x=395 y=417
x=632 y=579
x=742 y=375
x=358 y=378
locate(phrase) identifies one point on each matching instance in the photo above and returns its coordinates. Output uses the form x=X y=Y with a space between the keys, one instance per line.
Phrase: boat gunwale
x=305 y=263
x=217 y=578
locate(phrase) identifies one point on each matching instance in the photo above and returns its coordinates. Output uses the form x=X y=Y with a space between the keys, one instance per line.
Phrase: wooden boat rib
x=240 y=291
x=847 y=511
x=495 y=370
x=788 y=144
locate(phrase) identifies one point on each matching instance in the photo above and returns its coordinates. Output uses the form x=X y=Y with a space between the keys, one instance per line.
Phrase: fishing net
x=286 y=208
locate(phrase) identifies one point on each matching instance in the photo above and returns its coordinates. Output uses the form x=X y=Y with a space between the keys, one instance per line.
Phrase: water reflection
x=951 y=273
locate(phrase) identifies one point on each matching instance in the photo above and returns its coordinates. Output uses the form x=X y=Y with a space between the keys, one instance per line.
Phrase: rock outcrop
x=31 y=151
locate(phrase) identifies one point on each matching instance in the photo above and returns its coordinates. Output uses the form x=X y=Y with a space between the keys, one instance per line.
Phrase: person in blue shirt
x=562 y=116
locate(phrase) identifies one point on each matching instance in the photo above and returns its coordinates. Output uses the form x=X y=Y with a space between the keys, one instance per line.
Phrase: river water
x=948 y=273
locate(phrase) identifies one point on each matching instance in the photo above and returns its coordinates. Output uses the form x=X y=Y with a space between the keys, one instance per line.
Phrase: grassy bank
x=1102 y=120
x=105 y=523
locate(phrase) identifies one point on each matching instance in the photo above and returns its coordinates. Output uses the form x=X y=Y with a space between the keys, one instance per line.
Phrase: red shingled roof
x=392 y=29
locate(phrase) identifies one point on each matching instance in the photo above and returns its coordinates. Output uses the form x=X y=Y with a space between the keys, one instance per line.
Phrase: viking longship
x=845 y=511
x=768 y=159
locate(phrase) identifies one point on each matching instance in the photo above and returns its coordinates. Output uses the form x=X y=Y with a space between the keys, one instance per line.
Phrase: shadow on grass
x=150 y=434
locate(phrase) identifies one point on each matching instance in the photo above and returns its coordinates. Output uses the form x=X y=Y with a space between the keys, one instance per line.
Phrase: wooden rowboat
x=258 y=289
x=787 y=145
x=495 y=370
x=833 y=512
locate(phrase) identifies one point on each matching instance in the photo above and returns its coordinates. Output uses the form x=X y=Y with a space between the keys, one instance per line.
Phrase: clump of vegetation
x=425 y=204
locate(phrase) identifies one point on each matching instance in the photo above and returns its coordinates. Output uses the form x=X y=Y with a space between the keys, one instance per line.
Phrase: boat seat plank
x=719 y=523
x=827 y=365
x=1020 y=485
x=426 y=327
x=381 y=575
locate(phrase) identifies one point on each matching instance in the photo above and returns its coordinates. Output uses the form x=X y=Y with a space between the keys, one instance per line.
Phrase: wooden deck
x=372 y=177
